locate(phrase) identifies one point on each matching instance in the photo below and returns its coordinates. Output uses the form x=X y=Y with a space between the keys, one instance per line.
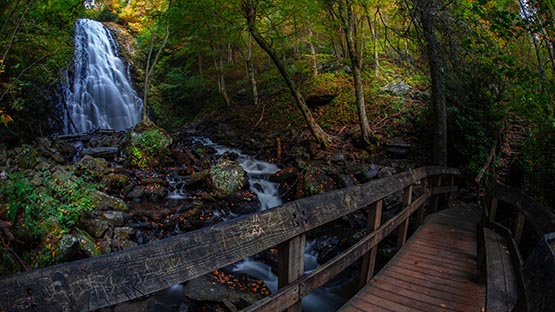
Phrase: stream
x=325 y=299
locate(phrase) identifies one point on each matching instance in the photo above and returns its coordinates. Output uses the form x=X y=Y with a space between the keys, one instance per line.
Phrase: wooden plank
x=428 y=281
x=502 y=284
x=433 y=290
x=386 y=304
x=444 y=189
x=541 y=219
x=464 y=291
x=404 y=227
x=519 y=226
x=431 y=296
x=422 y=210
x=538 y=272
x=325 y=272
x=374 y=220
x=291 y=265
x=435 y=198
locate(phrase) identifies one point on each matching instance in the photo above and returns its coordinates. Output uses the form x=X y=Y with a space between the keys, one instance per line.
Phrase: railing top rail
x=541 y=219
x=108 y=279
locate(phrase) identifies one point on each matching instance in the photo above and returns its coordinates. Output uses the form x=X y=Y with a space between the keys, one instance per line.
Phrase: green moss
x=150 y=148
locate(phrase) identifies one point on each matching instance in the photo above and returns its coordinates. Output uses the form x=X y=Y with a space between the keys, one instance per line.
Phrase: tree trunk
x=312 y=52
x=374 y=40
x=249 y=11
x=219 y=65
x=251 y=72
x=427 y=10
x=348 y=22
x=150 y=66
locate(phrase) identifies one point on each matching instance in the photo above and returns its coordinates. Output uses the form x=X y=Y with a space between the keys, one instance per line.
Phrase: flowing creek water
x=325 y=299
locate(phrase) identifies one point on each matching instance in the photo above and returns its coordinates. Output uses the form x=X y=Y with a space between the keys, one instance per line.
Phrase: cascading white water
x=100 y=94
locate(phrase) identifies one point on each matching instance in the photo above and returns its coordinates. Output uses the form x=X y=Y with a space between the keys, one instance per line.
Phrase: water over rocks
x=202 y=185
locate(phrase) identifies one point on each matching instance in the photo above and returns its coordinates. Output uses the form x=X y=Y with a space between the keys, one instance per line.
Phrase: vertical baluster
x=373 y=223
x=493 y=208
x=291 y=264
x=519 y=226
x=403 y=227
x=420 y=212
x=435 y=198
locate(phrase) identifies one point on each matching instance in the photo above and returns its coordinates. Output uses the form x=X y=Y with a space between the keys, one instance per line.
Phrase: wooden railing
x=105 y=280
x=531 y=292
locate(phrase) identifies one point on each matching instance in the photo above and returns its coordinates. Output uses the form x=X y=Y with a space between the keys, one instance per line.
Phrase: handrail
x=108 y=279
x=529 y=212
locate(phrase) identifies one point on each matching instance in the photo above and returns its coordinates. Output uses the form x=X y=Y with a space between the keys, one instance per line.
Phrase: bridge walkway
x=434 y=271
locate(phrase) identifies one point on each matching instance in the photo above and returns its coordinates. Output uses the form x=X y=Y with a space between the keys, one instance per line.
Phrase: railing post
x=493 y=208
x=421 y=210
x=435 y=199
x=291 y=265
x=373 y=223
x=519 y=226
x=404 y=227
x=449 y=195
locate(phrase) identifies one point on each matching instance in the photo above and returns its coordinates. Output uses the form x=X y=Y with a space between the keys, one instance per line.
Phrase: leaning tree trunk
x=319 y=134
x=426 y=10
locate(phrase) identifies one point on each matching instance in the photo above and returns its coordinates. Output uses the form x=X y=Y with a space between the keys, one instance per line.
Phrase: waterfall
x=99 y=94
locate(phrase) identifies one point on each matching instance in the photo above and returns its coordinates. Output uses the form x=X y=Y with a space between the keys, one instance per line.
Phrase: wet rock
x=94 y=167
x=137 y=192
x=344 y=180
x=114 y=218
x=149 y=147
x=114 y=183
x=368 y=173
x=397 y=147
x=103 y=201
x=244 y=202
x=199 y=179
x=72 y=245
x=227 y=177
x=316 y=181
x=154 y=193
x=27 y=157
x=96 y=227
x=386 y=172
x=398 y=88
x=106 y=152
x=285 y=174
x=206 y=288
x=123 y=233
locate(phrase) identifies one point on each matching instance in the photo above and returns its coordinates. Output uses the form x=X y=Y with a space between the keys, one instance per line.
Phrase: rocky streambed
x=189 y=184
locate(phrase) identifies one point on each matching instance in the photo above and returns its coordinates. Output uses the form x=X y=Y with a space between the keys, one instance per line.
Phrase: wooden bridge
x=459 y=259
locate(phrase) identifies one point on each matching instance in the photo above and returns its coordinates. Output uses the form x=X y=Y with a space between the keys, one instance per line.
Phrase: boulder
x=149 y=147
x=398 y=88
x=114 y=218
x=96 y=227
x=27 y=157
x=73 y=245
x=106 y=152
x=227 y=177
x=94 y=167
x=103 y=201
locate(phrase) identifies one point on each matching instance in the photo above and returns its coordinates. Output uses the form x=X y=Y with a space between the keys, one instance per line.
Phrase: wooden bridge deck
x=434 y=271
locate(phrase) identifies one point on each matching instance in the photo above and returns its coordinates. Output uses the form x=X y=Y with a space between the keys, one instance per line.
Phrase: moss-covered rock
x=94 y=167
x=103 y=201
x=27 y=157
x=228 y=177
x=149 y=148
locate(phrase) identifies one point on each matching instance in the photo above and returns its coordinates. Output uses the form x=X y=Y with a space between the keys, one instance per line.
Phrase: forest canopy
x=491 y=64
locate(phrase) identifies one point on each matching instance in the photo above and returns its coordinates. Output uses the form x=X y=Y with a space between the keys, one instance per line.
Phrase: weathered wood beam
x=103 y=281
